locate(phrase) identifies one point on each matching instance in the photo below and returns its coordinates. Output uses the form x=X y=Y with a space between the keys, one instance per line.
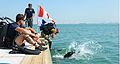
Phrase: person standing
x=29 y=13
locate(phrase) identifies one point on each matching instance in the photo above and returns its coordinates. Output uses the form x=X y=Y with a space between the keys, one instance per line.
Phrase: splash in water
x=85 y=50
x=58 y=56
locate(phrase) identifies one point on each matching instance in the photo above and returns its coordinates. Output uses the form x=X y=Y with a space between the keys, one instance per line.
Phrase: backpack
x=3 y=32
x=4 y=41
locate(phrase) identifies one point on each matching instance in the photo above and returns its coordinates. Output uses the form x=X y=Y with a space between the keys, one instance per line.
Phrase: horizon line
x=90 y=23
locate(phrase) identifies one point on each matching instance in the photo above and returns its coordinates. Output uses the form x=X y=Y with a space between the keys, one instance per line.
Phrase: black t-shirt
x=47 y=28
x=29 y=12
x=11 y=33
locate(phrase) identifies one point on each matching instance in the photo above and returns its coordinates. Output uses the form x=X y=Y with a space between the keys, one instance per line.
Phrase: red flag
x=41 y=11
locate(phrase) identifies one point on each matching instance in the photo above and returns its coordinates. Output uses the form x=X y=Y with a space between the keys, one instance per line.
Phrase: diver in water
x=69 y=54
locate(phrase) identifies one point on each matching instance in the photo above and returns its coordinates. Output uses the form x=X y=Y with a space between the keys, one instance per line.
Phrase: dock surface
x=43 y=58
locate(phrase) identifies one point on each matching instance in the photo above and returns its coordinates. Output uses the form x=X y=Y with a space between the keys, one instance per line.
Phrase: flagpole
x=37 y=20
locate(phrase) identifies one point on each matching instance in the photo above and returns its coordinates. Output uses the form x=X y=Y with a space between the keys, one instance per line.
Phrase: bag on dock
x=22 y=50
x=3 y=32
x=4 y=41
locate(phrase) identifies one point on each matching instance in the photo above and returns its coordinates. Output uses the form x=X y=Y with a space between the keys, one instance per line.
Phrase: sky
x=66 y=11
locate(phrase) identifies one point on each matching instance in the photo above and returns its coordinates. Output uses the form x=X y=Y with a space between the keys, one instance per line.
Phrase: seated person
x=22 y=33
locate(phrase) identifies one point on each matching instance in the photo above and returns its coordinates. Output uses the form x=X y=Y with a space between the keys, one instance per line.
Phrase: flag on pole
x=43 y=14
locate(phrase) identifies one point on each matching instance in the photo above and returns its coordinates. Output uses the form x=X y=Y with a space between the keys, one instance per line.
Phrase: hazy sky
x=67 y=11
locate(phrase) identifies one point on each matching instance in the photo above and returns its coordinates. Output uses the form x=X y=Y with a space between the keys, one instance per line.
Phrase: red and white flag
x=43 y=14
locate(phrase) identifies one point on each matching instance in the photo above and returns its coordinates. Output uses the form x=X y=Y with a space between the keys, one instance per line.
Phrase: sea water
x=92 y=43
